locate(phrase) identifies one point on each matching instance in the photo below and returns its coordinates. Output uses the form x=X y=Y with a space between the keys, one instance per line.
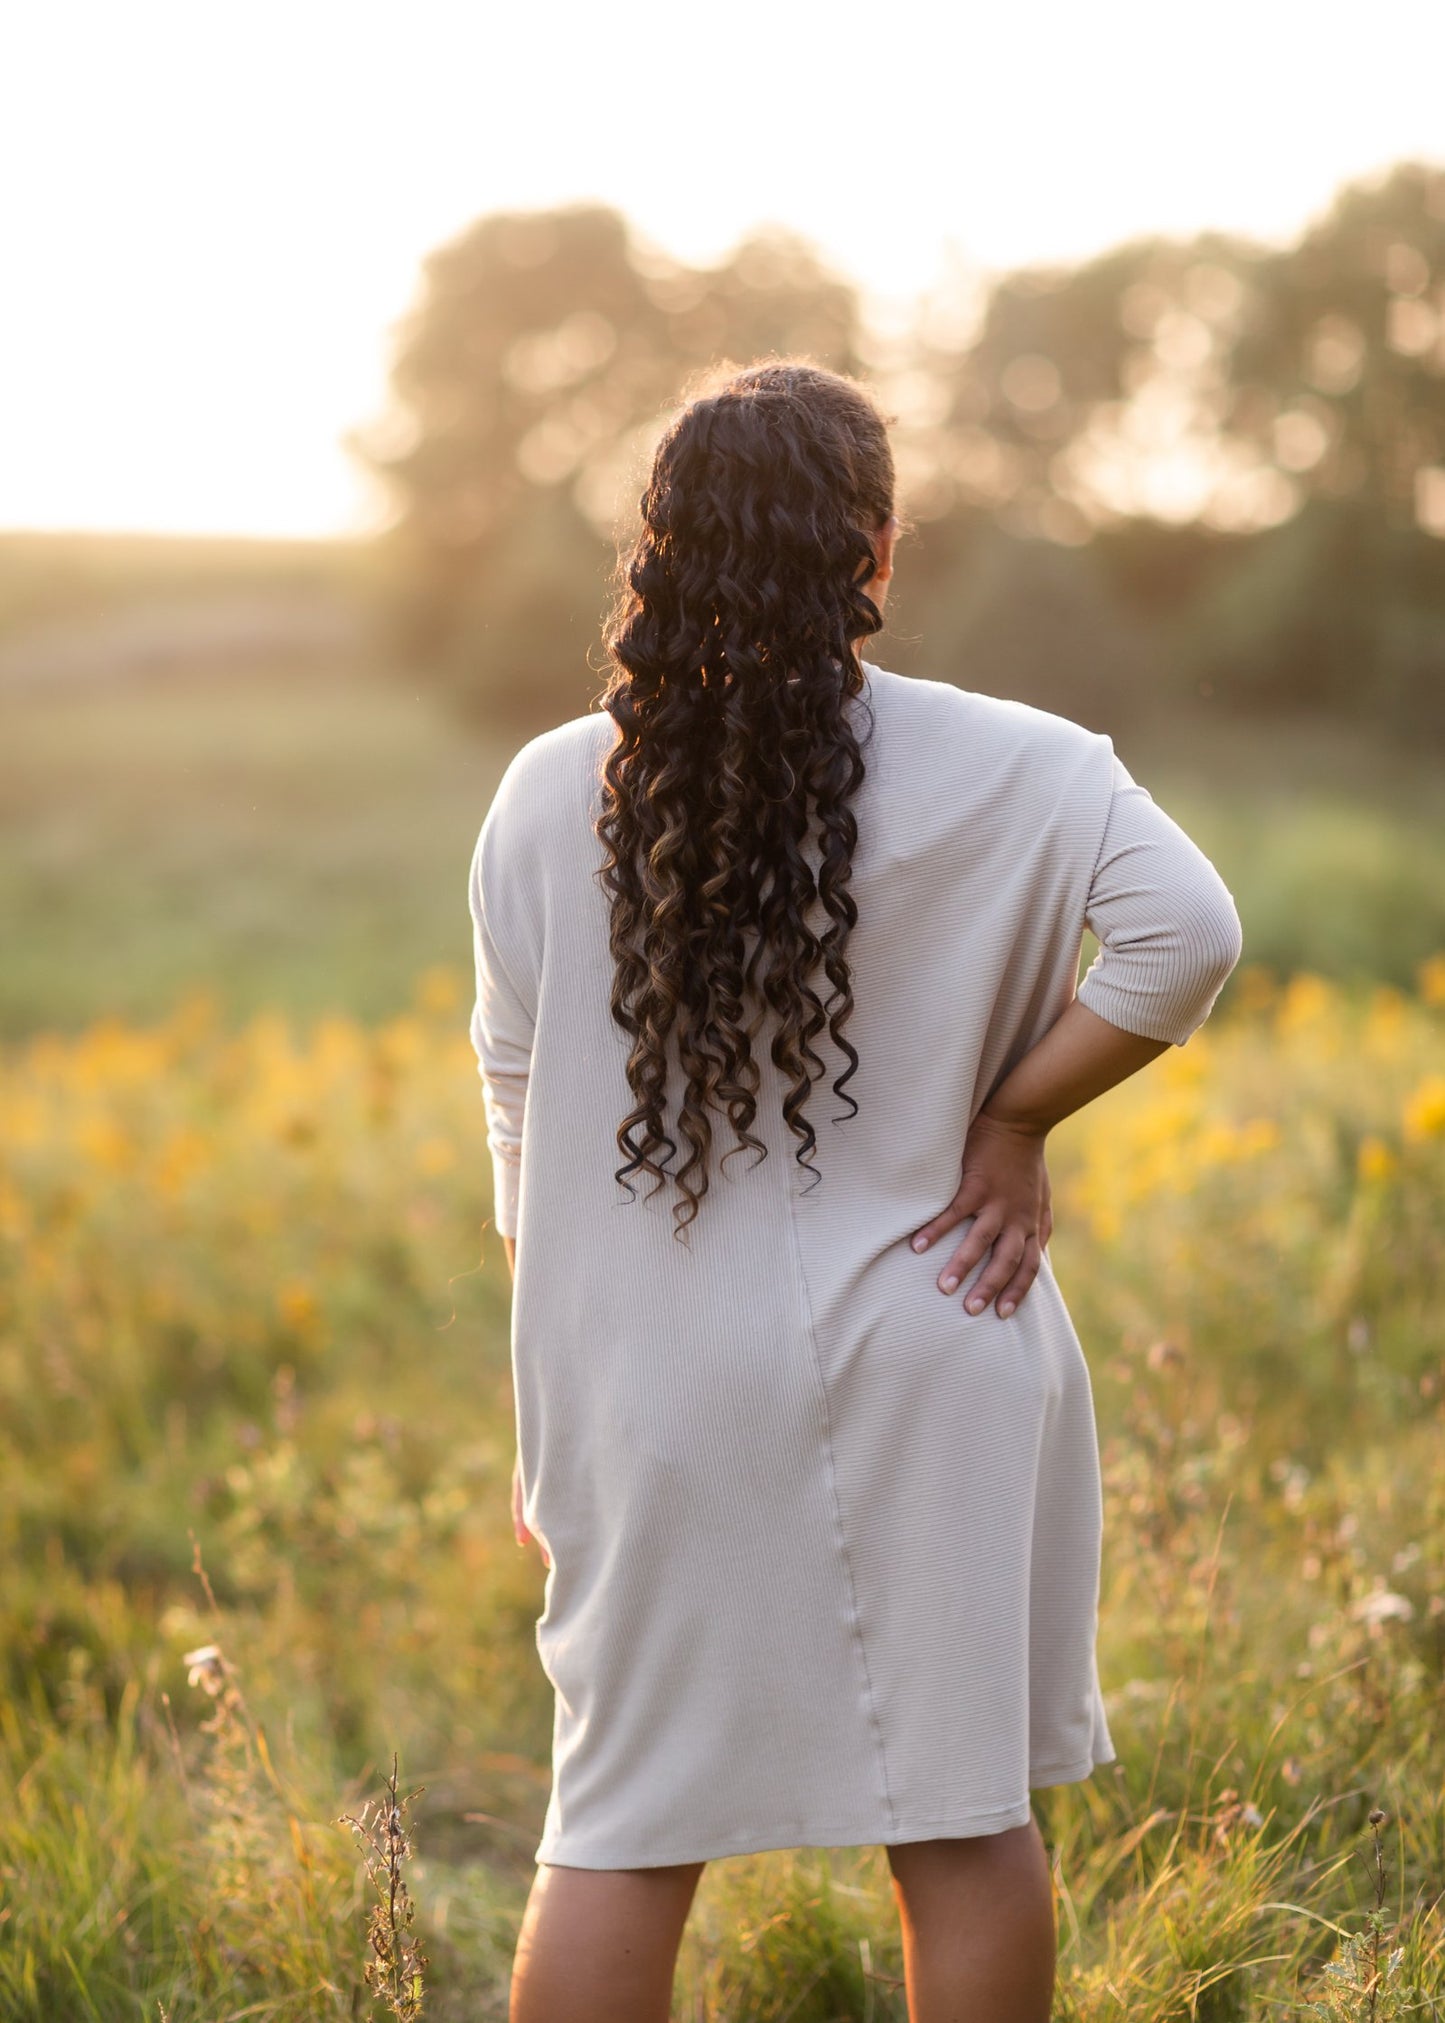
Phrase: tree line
x=1204 y=469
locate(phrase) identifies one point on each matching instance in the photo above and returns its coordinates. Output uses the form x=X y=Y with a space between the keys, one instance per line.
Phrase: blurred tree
x=1207 y=466
x=1029 y=618
x=1339 y=376
x=1213 y=379
x=1254 y=439
x=529 y=385
x=1334 y=611
x=1339 y=371
x=1093 y=394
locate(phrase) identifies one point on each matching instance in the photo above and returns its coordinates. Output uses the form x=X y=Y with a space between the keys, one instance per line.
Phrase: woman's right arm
x=1169 y=935
x=502 y=1024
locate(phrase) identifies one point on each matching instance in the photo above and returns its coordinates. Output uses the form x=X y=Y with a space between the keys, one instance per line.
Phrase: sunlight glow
x=215 y=217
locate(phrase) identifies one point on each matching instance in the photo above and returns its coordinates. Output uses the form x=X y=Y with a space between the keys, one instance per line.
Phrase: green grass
x=1330 y=843
x=299 y=838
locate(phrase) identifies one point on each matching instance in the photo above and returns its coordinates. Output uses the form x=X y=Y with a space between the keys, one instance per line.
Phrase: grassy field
x=293 y=838
x=60 y=578
x=254 y=1396
x=297 y=838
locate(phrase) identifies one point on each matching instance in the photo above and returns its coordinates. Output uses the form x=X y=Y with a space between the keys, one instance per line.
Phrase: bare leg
x=600 y=1945
x=978 y=1927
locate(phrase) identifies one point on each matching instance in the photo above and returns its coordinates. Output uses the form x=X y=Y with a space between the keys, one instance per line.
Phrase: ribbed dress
x=825 y=1547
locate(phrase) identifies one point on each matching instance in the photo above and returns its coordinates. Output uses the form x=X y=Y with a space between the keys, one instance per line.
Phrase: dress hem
x=946 y=1826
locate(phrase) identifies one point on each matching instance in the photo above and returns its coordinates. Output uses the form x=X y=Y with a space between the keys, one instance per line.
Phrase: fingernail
x=1007 y=1307
x=975 y=1306
x=948 y=1285
x=920 y=1243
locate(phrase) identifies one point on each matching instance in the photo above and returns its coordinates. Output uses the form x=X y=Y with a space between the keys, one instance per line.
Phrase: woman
x=776 y=958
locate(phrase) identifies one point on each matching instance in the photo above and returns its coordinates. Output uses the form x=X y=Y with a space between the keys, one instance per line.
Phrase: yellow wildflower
x=103 y=1142
x=1305 y=1001
x=296 y=1304
x=1425 y=1109
x=184 y=1152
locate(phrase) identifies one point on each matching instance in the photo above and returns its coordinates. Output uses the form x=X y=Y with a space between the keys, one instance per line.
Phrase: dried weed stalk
x=394 y=1972
x=1361 y=1983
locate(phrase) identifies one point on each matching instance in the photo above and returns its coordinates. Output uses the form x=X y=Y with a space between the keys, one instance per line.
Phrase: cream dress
x=824 y=1546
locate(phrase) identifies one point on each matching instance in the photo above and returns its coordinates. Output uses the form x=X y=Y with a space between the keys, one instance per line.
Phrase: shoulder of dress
x=552 y=774
x=572 y=746
x=1000 y=724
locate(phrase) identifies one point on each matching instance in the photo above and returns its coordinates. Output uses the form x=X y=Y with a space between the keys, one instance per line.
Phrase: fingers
x=525 y=1537
x=1023 y=1278
x=1004 y=1194
x=968 y=1254
x=519 y=1525
x=1008 y=1254
x=968 y=1200
x=1015 y=1264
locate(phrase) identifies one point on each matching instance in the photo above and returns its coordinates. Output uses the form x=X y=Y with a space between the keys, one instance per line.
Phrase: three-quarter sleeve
x=502 y=1022
x=1168 y=928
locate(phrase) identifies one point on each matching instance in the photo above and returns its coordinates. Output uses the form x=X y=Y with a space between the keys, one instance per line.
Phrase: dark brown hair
x=732 y=643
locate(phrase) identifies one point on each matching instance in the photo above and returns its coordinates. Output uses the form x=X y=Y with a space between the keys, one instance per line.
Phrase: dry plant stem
x=396 y=1969
x=1376 y=1821
x=198 y=1569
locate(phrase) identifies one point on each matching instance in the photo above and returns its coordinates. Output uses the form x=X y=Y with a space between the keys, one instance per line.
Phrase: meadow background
x=254 y=1389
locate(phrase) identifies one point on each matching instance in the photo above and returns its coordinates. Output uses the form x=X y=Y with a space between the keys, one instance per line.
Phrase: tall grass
x=256 y=1434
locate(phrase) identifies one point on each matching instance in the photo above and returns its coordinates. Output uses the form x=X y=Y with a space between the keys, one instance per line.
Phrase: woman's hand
x=519 y=1526
x=1005 y=1188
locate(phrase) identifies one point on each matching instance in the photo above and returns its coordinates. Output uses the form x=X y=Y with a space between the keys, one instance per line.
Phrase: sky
x=212 y=215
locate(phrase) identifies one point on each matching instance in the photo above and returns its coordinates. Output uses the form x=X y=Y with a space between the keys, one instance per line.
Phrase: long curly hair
x=725 y=812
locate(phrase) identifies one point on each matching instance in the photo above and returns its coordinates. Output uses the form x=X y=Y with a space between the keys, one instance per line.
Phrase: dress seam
x=854 y=1621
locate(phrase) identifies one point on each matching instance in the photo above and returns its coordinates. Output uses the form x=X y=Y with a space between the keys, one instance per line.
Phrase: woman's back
x=921 y=1652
